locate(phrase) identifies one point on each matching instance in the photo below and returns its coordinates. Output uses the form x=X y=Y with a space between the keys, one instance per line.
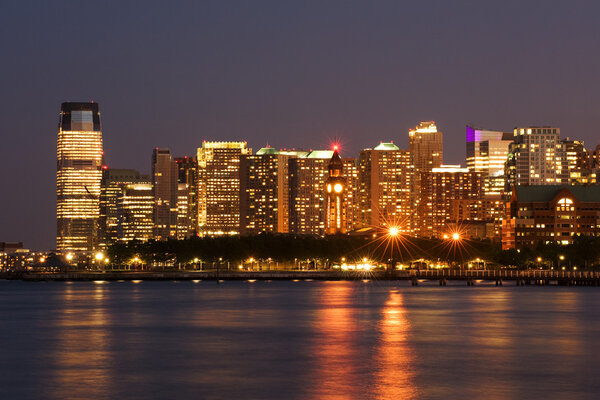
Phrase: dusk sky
x=293 y=75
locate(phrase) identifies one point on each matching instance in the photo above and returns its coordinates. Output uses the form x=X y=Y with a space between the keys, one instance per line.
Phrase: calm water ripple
x=297 y=340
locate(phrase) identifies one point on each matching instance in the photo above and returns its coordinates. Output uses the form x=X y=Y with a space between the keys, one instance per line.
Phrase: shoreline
x=469 y=277
x=201 y=275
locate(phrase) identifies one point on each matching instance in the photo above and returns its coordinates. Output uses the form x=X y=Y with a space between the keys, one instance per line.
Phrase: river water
x=297 y=340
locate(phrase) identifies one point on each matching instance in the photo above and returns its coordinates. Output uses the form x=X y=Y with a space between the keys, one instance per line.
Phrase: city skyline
x=273 y=199
x=227 y=190
x=427 y=129
x=296 y=76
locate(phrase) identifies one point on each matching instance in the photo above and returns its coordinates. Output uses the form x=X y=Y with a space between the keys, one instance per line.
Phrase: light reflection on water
x=395 y=370
x=335 y=373
x=82 y=365
x=297 y=340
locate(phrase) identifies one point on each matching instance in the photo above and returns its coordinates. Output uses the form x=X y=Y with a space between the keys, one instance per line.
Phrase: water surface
x=297 y=340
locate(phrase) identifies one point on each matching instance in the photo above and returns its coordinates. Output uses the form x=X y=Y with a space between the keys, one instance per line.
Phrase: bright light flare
x=393 y=231
x=456 y=241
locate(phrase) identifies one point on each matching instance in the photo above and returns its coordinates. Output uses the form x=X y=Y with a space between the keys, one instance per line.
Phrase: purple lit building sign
x=473 y=135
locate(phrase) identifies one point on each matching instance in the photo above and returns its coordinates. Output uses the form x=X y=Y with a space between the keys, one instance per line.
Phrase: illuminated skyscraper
x=535 y=157
x=307 y=201
x=219 y=187
x=264 y=192
x=445 y=189
x=426 y=146
x=113 y=182
x=135 y=211
x=591 y=170
x=335 y=196
x=183 y=211
x=574 y=161
x=78 y=177
x=351 y=193
x=164 y=178
x=487 y=152
x=386 y=177
x=187 y=176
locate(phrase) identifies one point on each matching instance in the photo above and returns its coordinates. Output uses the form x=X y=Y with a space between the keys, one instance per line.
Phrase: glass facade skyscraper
x=78 y=177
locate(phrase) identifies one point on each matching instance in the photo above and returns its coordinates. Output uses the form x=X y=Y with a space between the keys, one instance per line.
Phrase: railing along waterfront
x=463 y=274
x=522 y=277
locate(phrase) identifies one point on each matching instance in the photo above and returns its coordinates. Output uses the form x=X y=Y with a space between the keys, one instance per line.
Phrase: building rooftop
x=267 y=150
x=449 y=168
x=320 y=154
x=546 y=193
x=386 y=146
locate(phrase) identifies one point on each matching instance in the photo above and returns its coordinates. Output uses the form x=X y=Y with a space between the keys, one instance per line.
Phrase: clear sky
x=293 y=74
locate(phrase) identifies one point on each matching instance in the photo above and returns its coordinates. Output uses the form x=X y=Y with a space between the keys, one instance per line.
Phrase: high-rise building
x=351 y=193
x=574 y=160
x=593 y=159
x=307 y=201
x=113 y=182
x=426 y=146
x=443 y=190
x=219 y=187
x=164 y=178
x=385 y=179
x=78 y=177
x=264 y=192
x=591 y=170
x=535 y=157
x=135 y=212
x=183 y=212
x=335 y=196
x=187 y=175
x=308 y=173
x=487 y=152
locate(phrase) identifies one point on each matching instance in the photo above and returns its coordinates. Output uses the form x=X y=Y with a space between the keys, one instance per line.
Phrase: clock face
x=338 y=187
x=329 y=187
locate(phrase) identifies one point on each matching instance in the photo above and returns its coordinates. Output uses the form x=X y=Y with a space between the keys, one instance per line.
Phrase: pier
x=443 y=276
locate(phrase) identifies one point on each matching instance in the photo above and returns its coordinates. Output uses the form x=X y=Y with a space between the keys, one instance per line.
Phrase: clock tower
x=335 y=188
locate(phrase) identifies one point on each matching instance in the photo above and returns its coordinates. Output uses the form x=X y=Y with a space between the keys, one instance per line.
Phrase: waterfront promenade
x=469 y=277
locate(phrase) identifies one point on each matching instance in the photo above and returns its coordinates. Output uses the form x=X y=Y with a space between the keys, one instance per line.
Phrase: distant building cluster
x=519 y=187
